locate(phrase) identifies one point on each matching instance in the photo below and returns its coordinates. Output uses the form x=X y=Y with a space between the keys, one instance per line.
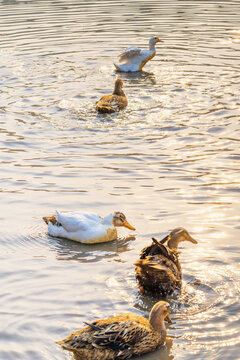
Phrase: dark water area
x=170 y=159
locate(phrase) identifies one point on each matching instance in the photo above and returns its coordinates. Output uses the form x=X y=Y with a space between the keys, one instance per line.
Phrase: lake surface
x=170 y=159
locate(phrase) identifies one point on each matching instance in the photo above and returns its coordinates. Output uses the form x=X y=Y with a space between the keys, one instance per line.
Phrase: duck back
x=119 y=337
x=158 y=271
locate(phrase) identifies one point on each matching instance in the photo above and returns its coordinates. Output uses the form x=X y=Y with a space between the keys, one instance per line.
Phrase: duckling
x=133 y=59
x=87 y=228
x=158 y=271
x=119 y=337
x=115 y=102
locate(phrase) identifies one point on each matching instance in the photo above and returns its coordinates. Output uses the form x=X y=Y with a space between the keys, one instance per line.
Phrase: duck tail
x=49 y=219
x=66 y=344
x=162 y=248
x=60 y=342
x=167 y=238
x=94 y=327
x=104 y=109
x=116 y=66
x=46 y=219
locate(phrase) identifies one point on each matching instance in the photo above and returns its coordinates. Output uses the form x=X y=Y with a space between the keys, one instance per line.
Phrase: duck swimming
x=87 y=228
x=158 y=271
x=115 y=102
x=119 y=337
x=134 y=59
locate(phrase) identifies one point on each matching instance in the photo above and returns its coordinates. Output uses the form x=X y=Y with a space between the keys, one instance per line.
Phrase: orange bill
x=129 y=226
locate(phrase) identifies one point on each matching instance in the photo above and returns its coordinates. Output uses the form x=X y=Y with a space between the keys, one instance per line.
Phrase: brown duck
x=119 y=337
x=115 y=102
x=158 y=271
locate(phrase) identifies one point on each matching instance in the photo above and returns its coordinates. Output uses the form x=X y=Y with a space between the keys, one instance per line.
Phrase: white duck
x=87 y=228
x=134 y=59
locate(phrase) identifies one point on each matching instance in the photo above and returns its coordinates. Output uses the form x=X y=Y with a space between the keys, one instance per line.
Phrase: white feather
x=133 y=58
x=83 y=227
x=75 y=221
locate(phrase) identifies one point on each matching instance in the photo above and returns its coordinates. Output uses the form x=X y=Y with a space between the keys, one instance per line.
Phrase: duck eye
x=122 y=217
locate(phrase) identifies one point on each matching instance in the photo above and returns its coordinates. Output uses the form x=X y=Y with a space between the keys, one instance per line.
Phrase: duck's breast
x=146 y=56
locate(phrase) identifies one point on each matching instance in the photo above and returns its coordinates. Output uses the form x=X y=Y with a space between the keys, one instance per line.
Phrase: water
x=170 y=159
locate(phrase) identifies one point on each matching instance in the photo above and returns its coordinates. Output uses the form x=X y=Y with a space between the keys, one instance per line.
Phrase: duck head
x=158 y=314
x=119 y=219
x=177 y=235
x=153 y=41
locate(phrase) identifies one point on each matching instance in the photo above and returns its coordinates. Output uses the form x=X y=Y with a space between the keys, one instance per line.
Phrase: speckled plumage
x=158 y=271
x=118 y=337
x=115 y=102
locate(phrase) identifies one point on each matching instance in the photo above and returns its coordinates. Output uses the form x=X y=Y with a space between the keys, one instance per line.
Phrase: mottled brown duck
x=115 y=102
x=158 y=271
x=119 y=337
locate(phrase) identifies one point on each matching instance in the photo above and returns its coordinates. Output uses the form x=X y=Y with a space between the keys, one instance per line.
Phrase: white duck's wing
x=89 y=216
x=77 y=221
x=129 y=54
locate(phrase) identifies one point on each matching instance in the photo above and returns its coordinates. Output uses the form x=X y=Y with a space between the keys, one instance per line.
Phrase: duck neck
x=152 y=47
x=158 y=325
x=173 y=244
x=108 y=220
x=118 y=90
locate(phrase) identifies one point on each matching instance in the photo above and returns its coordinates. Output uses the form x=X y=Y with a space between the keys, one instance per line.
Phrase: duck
x=115 y=102
x=119 y=337
x=133 y=59
x=158 y=271
x=87 y=228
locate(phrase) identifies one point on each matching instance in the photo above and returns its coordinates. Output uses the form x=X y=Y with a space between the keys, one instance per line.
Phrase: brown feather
x=119 y=337
x=51 y=219
x=158 y=271
x=115 y=102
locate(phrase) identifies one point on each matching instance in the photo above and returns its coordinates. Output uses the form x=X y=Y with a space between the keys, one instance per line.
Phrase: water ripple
x=170 y=159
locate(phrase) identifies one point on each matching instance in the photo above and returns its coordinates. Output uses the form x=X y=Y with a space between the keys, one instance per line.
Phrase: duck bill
x=129 y=226
x=167 y=318
x=159 y=40
x=192 y=240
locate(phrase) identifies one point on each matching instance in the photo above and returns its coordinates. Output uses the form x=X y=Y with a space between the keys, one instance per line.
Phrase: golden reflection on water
x=170 y=159
x=235 y=36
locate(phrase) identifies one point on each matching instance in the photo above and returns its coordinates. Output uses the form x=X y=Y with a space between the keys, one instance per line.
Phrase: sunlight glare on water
x=170 y=159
